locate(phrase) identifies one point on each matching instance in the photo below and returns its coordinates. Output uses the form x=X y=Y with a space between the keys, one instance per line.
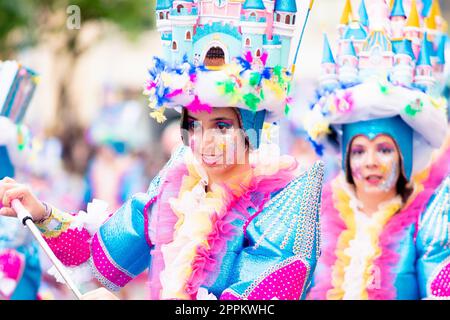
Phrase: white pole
x=27 y=220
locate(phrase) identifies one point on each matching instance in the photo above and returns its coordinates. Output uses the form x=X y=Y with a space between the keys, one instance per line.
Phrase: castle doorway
x=215 y=57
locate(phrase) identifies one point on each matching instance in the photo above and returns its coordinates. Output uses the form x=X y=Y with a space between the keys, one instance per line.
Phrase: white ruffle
x=361 y=248
x=79 y=274
x=97 y=213
x=202 y=294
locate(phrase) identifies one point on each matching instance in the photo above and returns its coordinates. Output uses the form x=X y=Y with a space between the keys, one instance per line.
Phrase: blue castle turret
x=284 y=24
x=327 y=55
x=397 y=9
x=426 y=7
x=182 y=43
x=286 y=6
x=441 y=50
x=253 y=4
x=424 y=55
x=253 y=27
x=405 y=47
x=328 y=76
x=363 y=17
x=424 y=71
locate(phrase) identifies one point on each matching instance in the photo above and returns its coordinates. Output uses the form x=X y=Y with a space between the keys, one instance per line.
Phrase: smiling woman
x=218 y=141
x=217 y=222
x=384 y=234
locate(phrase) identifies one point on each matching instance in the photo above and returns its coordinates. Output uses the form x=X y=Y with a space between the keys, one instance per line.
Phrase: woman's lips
x=374 y=179
x=211 y=160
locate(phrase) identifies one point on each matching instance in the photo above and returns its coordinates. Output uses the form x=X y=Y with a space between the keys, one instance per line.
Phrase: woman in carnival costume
x=20 y=272
x=225 y=218
x=385 y=235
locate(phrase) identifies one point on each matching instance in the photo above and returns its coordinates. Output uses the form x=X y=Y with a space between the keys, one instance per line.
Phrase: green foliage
x=27 y=17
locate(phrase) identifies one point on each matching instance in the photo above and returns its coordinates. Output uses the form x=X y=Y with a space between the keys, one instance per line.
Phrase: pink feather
x=264 y=57
x=248 y=57
x=174 y=93
x=196 y=106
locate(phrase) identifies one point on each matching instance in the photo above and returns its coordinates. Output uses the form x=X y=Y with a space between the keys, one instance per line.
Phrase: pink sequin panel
x=285 y=283
x=105 y=266
x=440 y=285
x=12 y=264
x=71 y=247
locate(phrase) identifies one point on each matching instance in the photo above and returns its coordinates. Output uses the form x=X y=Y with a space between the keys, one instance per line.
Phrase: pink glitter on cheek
x=356 y=173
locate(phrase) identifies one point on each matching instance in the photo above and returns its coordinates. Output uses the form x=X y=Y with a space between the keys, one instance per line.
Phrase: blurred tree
x=27 y=22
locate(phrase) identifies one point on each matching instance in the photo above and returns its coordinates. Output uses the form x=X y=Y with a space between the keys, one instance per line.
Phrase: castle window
x=293 y=19
x=174 y=45
x=161 y=15
x=278 y=17
x=179 y=7
x=253 y=14
x=247 y=42
x=188 y=35
x=288 y=19
x=167 y=15
x=258 y=53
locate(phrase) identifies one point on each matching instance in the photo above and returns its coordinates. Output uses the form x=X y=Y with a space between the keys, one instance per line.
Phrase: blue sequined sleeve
x=433 y=245
x=284 y=244
x=121 y=247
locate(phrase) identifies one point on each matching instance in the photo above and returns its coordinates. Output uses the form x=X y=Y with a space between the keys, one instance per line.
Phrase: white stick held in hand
x=27 y=220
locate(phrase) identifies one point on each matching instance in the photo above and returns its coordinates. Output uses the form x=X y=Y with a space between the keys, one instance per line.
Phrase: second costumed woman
x=385 y=236
x=223 y=219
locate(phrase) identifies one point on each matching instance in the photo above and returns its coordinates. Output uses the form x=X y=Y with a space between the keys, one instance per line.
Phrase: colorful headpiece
x=389 y=67
x=224 y=53
x=17 y=85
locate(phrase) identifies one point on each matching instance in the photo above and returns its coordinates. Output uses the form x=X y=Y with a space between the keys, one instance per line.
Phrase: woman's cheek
x=228 y=147
x=391 y=178
x=194 y=144
x=356 y=167
x=386 y=160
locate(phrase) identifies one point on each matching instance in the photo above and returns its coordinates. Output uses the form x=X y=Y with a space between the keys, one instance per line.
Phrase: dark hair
x=403 y=186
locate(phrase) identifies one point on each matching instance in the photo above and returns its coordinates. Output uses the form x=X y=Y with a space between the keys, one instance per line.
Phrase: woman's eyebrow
x=221 y=119
x=385 y=144
x=192 y=118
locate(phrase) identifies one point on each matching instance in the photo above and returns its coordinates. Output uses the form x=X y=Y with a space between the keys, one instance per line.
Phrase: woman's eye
x=194 y=125
x=386 y=150
x=223 y=125
x=357 y=152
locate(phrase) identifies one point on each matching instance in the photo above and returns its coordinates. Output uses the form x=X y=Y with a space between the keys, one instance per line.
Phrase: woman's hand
x=11 y=190
x=99 y=294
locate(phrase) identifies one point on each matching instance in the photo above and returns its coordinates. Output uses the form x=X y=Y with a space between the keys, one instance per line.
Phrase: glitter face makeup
x=374 y=164
x=215 y=138
x=391 y=180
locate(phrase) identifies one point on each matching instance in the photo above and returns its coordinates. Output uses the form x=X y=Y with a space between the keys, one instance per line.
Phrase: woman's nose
x=371 y=160
x=209 y=140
